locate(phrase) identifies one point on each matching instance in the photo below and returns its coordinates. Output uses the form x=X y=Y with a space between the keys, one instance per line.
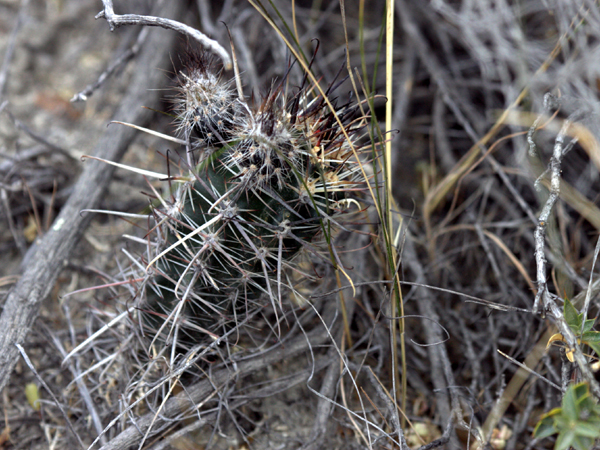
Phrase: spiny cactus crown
x=267 y=179
x=205 y=104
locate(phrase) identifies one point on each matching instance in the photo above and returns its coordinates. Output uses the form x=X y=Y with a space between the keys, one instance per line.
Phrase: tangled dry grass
x=493 y=103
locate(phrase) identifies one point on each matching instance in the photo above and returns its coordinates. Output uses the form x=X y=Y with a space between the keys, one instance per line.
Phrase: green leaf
x=594 y=411
x=545 y=427
x=577 y=422
x=590 y=336
x=589 y=324
x=582 y=443
x=581 y=390
x=587 y=429
x=572 y=318
x=595 y=346
x=564 y=440
x=570 y=407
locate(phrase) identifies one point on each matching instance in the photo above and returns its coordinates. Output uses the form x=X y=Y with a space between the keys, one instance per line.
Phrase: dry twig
x=116 y=20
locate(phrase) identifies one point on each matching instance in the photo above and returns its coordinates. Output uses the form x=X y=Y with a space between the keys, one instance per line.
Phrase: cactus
x=268 y=180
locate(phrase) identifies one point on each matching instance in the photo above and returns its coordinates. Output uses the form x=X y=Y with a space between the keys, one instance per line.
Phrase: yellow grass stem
x=396 y=304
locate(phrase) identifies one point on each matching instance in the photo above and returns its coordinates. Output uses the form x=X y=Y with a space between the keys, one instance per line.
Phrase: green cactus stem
x=267 y=180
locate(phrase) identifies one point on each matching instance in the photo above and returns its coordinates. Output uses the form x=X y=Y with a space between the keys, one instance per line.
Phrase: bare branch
x=543 y=295
x=540 y=231
x=116 y=20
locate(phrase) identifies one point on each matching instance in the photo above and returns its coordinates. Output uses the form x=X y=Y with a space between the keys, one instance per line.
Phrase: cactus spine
x=267 y=180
